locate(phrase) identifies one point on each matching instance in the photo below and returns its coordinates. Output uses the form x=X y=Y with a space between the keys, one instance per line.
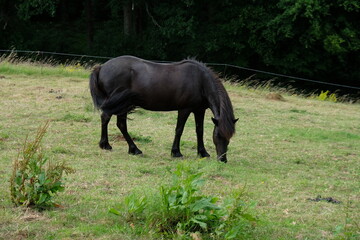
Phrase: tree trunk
x=128 y=21
x=90 y=23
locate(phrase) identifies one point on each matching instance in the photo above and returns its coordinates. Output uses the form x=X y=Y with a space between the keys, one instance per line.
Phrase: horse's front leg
x=104 y=141
x=199 y=120
x=121 y=123
x=181 y=120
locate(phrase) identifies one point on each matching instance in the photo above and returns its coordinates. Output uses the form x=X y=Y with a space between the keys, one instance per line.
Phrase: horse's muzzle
x=223 y=158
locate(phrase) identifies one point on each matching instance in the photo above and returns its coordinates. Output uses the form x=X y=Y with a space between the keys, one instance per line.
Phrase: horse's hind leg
x=199 y=120
x=121 y=123
x=104 y=141
x=181 y=120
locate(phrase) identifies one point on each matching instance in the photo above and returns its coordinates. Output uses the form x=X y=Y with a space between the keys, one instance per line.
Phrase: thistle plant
x=35 y=180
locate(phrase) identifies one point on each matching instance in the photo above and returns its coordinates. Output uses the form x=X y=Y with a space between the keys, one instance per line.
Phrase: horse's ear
x=235 y=120
x=215 y=121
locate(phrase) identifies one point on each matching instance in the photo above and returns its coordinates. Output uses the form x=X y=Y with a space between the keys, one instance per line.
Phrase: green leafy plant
x=237 y=221
x=182 y=207
x=326 y=96
x=132 y=207
x=184 y=211
x=35 y=180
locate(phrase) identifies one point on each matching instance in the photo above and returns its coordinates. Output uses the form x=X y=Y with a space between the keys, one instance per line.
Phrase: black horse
x=127 y=82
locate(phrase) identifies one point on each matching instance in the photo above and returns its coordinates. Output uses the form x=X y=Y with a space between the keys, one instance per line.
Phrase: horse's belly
x=166 y=95
x=169 y=103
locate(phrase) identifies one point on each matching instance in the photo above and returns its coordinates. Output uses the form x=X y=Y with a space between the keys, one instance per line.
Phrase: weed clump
x=326 y=96
x=34 y=183
x=185 y=212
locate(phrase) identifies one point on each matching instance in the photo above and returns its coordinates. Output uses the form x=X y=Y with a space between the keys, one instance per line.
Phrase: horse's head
x=221 y=140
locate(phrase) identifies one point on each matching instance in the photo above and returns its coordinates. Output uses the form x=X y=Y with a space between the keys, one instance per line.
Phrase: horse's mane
x=226 y=120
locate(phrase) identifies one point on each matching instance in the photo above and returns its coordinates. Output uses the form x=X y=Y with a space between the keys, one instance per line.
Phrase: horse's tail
x=97 y=94
x=120 y=102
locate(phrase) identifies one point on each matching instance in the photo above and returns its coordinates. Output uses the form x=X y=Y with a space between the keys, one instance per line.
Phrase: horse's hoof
x=135 y=151
x=105 y=146
x=176 y=154
x=204 y=154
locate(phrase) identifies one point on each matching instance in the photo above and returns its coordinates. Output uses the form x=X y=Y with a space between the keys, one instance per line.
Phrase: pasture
x=284 y=153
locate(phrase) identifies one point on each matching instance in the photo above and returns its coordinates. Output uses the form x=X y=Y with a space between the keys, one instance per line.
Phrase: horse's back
x=159 y=86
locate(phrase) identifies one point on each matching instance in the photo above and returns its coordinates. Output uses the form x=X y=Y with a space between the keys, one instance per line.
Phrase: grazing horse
x=124 y=83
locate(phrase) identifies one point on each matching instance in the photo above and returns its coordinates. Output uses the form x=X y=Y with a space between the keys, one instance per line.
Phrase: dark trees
x=318 y=39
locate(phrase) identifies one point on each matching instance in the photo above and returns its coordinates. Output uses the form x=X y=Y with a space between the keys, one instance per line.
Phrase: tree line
x=317 y=39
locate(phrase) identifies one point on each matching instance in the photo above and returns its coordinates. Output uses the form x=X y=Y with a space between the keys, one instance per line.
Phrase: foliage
x=326 y=96
x=183 y=210
x=32 y=182
x=28 y=8
x=132 y=208
x=317 y=39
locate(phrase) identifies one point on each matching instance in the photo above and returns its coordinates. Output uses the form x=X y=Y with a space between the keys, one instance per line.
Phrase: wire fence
x=208 y=64
x=54 y=53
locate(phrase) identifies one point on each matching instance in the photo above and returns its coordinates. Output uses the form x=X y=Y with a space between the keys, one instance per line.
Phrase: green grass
x=284 y=152
x=34 y=69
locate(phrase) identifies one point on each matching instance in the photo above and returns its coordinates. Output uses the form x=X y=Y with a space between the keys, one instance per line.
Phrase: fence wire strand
x=209 y=64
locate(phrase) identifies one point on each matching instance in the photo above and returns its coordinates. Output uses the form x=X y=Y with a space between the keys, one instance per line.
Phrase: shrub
x=326 y=96
x=184 y=211
x=33 y=182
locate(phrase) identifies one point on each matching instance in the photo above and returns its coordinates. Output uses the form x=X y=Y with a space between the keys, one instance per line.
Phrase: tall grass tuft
x=34 y=183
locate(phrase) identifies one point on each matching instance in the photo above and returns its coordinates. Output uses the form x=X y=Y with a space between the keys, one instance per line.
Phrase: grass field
x=284 y=152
